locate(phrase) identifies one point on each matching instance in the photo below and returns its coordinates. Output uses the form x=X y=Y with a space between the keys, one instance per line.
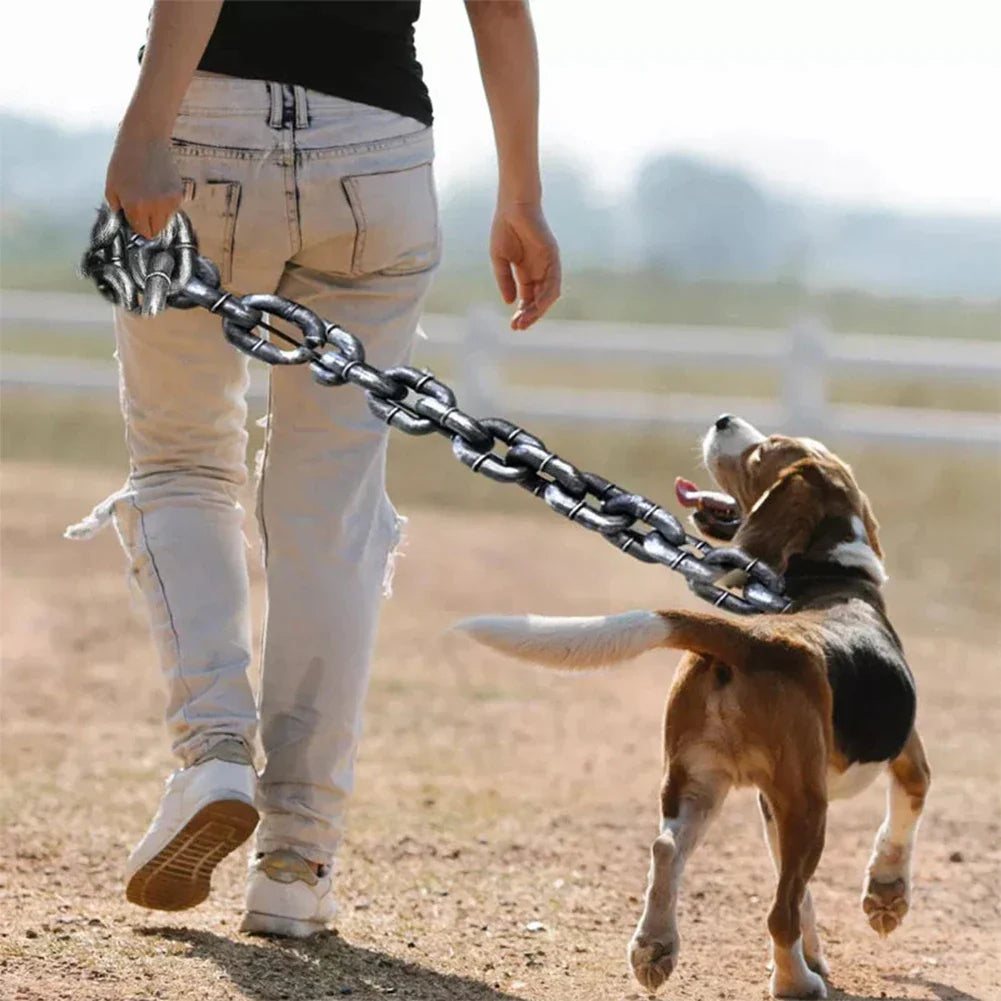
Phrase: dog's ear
x=871 y=525
x=785 y=517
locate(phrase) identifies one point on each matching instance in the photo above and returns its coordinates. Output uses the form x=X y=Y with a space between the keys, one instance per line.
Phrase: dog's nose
x=724 y=421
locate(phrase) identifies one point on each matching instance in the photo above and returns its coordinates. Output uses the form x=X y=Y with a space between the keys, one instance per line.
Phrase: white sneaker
x=206 y=812
x=286 y=896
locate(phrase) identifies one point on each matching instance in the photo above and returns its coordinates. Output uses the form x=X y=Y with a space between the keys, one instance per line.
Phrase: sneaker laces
x=230 y=749
x=285 y=866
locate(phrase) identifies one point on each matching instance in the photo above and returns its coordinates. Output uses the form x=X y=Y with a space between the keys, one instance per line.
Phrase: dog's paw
x=807 y=984
x=818 y=964
x=653 y=959
x=885 y=902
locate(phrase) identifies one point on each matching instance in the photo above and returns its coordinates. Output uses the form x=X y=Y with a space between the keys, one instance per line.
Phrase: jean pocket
x=212 y=207
x=396 y=221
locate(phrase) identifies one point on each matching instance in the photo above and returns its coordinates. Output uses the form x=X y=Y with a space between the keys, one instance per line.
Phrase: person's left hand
x=526 y=261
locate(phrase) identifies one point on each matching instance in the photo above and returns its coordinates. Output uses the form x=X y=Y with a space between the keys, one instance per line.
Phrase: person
x=298 y=138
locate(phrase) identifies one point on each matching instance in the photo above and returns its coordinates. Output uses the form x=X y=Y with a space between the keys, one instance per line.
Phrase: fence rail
x=805 y=357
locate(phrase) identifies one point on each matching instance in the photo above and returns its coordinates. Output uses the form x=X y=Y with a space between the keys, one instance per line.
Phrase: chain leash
x=147 y=276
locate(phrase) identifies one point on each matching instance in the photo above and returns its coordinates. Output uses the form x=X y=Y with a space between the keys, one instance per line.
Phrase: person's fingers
x=147 y=217
x=140 y=219
x=525 y=284
x=505 y=281
x=524 y=318
x=527 y=311
x=170 y=205
x=135 y=215
x=162 y=212
x=537 y=297
x=549 y=288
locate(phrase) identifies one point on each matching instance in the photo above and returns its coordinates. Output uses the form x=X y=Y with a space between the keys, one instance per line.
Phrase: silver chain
x=147 y=276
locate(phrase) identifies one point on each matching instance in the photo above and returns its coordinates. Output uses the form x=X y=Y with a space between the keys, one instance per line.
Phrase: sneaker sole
x=259 y=923
x=179 y=875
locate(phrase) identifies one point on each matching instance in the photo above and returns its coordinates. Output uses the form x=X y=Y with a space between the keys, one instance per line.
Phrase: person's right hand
x=143 y=181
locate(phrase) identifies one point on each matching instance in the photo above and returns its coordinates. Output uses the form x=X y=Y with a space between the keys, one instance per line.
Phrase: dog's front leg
x=688 y=807
x=886 y=897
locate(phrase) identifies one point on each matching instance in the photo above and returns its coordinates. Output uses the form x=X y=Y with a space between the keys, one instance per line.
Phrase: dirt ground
x=490 y=795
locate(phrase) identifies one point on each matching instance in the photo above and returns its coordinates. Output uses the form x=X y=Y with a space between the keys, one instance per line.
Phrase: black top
x=362 y=51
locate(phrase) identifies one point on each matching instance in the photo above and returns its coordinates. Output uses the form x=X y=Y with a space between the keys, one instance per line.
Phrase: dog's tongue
x=686 y=492
x=713 y=501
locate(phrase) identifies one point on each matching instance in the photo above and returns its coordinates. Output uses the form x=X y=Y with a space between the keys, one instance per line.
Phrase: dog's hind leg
x=886 y=896
x=800 y=814
x=688 y=805
x=813 y=951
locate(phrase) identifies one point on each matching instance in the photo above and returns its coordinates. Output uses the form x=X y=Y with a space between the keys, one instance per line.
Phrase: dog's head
x=796 y=498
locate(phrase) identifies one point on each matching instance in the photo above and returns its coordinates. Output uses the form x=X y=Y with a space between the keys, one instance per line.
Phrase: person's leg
x=329 y=531
x=178 y=516
x=370 y=245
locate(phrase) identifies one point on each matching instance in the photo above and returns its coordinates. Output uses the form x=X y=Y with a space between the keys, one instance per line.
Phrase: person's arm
x=142 y=179
x=526 y=259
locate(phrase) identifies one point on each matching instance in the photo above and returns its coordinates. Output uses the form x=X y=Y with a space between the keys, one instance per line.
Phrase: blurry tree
x=701 y=220
x=686 y=218
x=583 y=225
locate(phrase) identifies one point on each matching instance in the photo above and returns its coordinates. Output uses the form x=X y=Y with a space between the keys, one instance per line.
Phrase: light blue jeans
x=332 y=204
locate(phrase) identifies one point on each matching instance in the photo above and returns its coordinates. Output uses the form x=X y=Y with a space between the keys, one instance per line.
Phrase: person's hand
x=143 y=181
x=526 y=261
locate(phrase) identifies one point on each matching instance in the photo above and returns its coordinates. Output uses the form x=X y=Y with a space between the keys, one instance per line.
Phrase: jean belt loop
x=275 y=98
x=301 y=108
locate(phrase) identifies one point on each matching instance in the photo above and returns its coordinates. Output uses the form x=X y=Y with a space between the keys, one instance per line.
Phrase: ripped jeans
x=330 y=203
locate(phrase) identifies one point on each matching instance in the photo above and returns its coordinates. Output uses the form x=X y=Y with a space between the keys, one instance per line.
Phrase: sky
x=865 y=102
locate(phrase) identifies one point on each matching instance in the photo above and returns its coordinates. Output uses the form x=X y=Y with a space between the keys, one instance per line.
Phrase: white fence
x=805 y=357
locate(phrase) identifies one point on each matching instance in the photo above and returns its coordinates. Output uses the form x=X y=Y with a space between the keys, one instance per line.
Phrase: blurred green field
x=920 y=486
x=985 y=396
x=944 y=503
x=645 y=297
x=650 y=297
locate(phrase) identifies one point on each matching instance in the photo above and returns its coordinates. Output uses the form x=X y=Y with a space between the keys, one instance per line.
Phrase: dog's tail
x=598 y=641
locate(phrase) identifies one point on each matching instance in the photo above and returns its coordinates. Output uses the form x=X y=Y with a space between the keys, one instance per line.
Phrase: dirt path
x=490 y=795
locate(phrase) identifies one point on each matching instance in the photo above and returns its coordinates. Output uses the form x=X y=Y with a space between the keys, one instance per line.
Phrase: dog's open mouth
x=717 y=514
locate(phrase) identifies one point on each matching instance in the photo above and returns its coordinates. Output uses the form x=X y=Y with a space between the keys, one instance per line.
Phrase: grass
x=655 y=298
x=86 y=431
x=984 y=396
x=652 y=298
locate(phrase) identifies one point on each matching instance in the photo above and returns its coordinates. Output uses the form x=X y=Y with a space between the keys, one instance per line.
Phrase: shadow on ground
x=935 y=992
x=322 y=967
x=940 y=991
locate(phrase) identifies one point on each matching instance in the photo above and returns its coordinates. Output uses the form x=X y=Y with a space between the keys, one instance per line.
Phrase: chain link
x=148 y=276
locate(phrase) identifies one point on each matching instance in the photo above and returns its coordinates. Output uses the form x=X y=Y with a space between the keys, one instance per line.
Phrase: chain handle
x=147 y=276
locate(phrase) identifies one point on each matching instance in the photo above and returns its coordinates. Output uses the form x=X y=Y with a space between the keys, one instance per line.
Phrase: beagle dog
x=807 y=706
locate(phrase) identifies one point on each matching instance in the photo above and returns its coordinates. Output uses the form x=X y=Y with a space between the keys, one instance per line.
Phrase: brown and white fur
x=807 y=706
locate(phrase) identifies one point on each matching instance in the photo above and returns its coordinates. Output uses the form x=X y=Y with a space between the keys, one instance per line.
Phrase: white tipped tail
x=571 y=643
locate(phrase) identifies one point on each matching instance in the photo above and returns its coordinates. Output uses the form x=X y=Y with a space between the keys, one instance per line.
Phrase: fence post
x=479 y=365
x=804 y=378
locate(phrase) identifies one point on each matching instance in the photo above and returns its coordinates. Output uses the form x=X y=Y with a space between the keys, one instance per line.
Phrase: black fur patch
x=874 y=695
